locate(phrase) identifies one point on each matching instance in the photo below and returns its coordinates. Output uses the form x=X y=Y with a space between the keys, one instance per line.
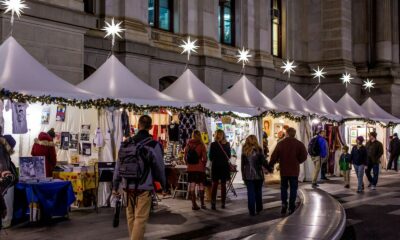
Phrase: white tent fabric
x=291 y=99
x=377 y=113
x=188 y=88
x=348 y=103
x=114 y=80
x=22 y=73
x=244 y=93
x=325 y=105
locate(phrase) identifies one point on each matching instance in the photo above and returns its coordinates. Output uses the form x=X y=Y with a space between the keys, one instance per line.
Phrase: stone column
x=262 y=33
x=360 y=32
x=395 y=32
x=207 y=25
x=383 y=31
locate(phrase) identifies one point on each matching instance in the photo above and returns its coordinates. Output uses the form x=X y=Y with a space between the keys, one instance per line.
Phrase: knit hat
x=10 y=140
x=360 y=139
x=52 y=133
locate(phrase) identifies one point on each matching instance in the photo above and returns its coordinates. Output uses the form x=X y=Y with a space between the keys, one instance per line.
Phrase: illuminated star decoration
x=289 y=67
x=189 y=47
x=15 y=7
x=318 y=73
x=113 y=30
x=368 y=84
x=346 y=78
x=243 y=56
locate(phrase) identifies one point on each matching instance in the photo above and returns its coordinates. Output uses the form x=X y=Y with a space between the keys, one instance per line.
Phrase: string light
x=243 y=56
x=288 y=67
x=318 y=73
x=346 y=78
x=189 y=47
x=113 y=30
x=15 y=7
x=368 y=84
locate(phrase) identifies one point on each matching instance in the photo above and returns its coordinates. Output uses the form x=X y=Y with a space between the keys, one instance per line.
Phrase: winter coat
x=290 y=153
x=345 y=162
x=323 y=147
x=156 y=159
x=359 y=156
x=220 y=161
x=394 y=147
x=5 y=155
x=44 y=146
x=252 y=165
x=375 y=152
x=201 y=150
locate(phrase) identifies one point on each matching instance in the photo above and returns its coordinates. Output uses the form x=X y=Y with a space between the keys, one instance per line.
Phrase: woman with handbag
x=220 y=154
x=253 y=160
x=196 y=160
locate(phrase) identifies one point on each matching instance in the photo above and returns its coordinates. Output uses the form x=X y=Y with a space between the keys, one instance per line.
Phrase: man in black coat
x=394 y=150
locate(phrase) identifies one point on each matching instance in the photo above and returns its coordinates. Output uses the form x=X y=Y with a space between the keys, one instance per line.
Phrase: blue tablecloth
x=55 y=198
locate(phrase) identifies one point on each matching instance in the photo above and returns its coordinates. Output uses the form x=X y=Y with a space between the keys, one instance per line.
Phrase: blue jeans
x=294 y=184
x=360 y=175
x=254 y=195
x=375 y=169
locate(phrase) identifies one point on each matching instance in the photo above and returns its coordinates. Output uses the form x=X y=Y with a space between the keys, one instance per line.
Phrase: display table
x=52 y=198
x=82 y=183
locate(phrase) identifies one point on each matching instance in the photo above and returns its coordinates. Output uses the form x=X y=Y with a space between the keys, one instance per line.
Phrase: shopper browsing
x=196 y=160
x=375 y=152
x=140 y=163
x=394 y=150
x=289 y=153
x=317 y=148
x=345 y=165
x=220 y=154
x=359 y=158
x=253 y=161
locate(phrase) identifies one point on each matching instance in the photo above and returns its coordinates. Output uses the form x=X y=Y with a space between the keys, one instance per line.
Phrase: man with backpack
x=317 y=148
x=140 y=163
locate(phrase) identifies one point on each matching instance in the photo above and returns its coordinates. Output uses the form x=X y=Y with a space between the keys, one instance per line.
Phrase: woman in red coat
x=196 y=159
x=44 y=146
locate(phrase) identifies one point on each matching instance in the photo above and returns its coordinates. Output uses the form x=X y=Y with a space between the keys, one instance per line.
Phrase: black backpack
x=313 y=147
x=192 y=156
x=134 y=160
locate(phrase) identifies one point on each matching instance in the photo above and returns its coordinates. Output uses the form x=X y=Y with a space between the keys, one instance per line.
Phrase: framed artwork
x=32 y=168
x=278 y=127
x=45 y=115
x=65 y=139
x=60 y=115
x=267 y=126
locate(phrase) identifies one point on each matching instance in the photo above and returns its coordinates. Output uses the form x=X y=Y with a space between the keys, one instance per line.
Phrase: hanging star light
x=318 y=73
x=243 y=56
x=113 y=30
x=346 y=78
x=189 y=47
x=15 y=7
x=368 y=84
x=289 y=67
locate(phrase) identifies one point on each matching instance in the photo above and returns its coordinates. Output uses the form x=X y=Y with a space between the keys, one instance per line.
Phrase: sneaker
x=359 y=191
x=373 y=187
x=283 y=210
x=213 y=207
x=223 y=206
x=369 y=185
x=314 y=185
x=291 y=211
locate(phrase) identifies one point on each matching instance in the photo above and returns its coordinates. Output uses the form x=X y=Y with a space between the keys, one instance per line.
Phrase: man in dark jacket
x=394 y=150
x=290 y=153
x=375 y=152
x=139 y=196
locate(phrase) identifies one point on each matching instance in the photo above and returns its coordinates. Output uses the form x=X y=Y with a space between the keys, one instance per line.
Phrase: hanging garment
x=173 y=132
x=155 y=132
x=126 y=129
x=187 y=124
x=20 y=125
x=98 y=140
x=1 y=118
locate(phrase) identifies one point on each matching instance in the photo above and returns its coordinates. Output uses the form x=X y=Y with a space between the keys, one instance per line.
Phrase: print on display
x=32 y=168
x=46 y=115
x=86 y=149
x=61 y=109
x=65 y=138
x=73 y=141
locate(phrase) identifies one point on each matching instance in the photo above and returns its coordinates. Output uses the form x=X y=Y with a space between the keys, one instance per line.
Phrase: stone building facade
x=360 y=37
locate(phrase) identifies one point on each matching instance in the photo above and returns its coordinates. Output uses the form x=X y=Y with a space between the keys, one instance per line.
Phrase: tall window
x=89 y=6
x=161 y=14
x=226 y=19
x=276 y=28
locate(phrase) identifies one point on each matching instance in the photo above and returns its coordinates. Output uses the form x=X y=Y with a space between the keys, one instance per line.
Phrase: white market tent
x=348 y=103
x=321 y=101
x=292 y=100
x=377 y=113
x=188 y=88
x=20 y=72
x=244 y=93
x=114 y=80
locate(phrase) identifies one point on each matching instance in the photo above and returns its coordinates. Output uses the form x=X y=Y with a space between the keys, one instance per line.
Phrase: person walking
x=140 y=163
x=375 y=152
x=44 y=146
x=345 y=165
x=318 y=152
x=394 y=150
x=290 y=153
x=220 y=154
x=253 y=160
x=196 y=160
x=359 y=159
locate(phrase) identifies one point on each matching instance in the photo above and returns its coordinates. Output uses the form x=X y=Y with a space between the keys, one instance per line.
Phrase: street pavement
x=373 y=214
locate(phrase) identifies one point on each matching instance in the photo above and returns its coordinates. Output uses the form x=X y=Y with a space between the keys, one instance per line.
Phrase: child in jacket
x=345 y=165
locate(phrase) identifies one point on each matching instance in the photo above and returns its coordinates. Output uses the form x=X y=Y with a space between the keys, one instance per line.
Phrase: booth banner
x=80 y=181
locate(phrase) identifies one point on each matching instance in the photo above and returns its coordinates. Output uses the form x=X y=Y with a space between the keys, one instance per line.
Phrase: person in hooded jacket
x=359 y=158
x=253 y=160
x=44 y=146
x=196 y=171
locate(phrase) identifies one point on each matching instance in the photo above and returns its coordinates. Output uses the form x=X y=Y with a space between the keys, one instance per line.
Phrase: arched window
x=226 y=21
x=276 y=27
x=161 y=14
x=165 y=82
